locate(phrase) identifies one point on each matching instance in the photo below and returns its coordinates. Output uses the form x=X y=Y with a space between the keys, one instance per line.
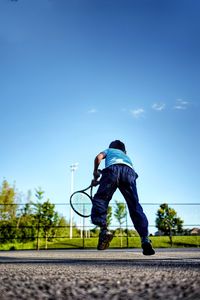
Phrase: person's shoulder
x=105 y=151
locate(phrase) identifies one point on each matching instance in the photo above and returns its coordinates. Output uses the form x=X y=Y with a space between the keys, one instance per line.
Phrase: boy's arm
x=97 y=162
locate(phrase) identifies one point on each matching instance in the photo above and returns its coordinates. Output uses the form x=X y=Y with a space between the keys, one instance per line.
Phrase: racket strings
x=81 y=203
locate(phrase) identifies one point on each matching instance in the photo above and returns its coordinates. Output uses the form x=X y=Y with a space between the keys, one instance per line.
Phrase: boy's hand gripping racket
x=81 y=202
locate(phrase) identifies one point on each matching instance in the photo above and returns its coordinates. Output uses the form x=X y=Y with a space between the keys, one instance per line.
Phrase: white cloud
x=158 y=106
x=92 y=111
x=181 y=104
x=137 y=113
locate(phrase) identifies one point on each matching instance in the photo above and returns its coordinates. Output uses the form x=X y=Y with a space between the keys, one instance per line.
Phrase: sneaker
x=147 y=248
x=105 y=237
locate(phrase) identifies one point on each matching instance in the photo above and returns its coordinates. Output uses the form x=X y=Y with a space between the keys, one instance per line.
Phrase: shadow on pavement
x=158 y=263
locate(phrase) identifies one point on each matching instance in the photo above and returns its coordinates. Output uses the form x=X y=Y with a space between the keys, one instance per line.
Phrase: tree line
x=38 y=219
x=29 y=222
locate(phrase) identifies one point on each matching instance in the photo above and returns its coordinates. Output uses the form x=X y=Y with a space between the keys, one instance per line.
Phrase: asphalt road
x=110 y=274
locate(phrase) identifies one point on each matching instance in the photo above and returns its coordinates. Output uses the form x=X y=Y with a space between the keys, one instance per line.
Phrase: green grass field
x=117 y=242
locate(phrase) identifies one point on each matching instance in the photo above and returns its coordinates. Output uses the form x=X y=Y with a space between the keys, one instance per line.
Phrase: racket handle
x=95 y=182
x=99 y=172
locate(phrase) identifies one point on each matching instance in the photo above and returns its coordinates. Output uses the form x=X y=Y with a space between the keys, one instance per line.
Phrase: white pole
x=73 y=169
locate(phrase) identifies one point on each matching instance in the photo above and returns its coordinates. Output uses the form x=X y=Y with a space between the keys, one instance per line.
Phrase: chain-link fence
x=28 y=229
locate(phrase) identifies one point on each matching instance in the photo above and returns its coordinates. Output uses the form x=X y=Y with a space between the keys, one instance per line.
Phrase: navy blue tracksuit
x=123 y=177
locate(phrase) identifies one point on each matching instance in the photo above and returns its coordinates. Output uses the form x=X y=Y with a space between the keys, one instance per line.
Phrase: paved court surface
x=110 y=274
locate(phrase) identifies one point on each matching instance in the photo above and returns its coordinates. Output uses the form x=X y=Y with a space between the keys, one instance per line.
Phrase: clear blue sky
x=74 y=75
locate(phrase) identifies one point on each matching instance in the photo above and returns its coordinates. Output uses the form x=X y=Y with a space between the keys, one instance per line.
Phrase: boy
x=118 y=173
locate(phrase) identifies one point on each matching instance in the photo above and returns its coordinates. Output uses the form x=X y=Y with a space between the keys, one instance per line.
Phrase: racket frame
x=86 y=194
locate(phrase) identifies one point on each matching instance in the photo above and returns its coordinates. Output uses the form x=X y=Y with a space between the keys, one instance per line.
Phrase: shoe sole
x=148 y=250
x=105 y=244
x=152 y=253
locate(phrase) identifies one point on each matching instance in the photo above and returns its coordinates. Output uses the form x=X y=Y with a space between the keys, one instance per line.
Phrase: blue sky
x=77 y=74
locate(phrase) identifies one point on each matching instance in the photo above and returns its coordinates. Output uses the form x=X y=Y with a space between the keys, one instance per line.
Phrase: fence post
x=38 y=242
x=83 y=227
x=38 y=233
x=127 y=244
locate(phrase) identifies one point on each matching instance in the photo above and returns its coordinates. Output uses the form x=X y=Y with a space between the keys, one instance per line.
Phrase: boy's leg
x=138 y=217
x=98 y=217
x=140 y=222
x=100 y=203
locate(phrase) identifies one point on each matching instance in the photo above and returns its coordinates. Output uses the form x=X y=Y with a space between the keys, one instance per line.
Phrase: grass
x=91 y=243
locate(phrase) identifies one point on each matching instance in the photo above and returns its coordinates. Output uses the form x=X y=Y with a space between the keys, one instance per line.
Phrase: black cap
x=117 y=144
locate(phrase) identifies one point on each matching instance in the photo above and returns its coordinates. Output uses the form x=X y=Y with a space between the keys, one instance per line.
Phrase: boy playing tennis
x=118 y=173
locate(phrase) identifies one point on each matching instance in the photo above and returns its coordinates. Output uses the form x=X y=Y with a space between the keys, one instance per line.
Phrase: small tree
x=167 y=221
x=26 y=221
x=109 y=216
x=48 y=219
x=8 y=207
x=26 y=229
x=120 y=215
x=39 y=195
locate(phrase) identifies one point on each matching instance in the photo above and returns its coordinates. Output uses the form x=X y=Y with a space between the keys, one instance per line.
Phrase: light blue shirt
x=116 y=156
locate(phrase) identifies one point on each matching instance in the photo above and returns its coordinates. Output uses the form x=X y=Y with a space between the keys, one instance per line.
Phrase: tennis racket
x=81 y=201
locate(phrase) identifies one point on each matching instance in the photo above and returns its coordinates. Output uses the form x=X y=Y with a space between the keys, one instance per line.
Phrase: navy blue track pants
x=122 y=177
